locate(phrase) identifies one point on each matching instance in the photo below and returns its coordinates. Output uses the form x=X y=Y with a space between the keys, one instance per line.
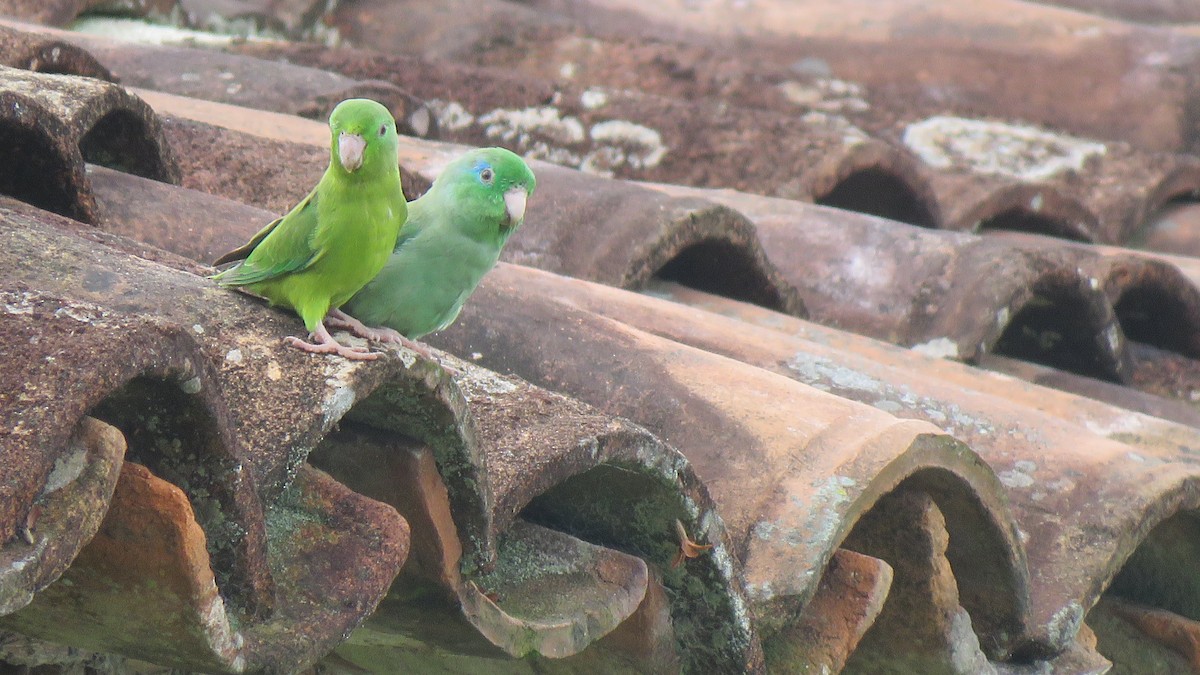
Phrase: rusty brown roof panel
x=715 y=405
x=1110 y=313
x=65 y=512
x=147 y=211
x=848 y=600
x=56 y=122
x=692 y=242
x=489 y=490
x=156 y=369
x=1175 y=407
x=643 y=230
x=976 y=203
x=978 y=162
x=490 y=482
x=1156 y=306
x=971 y=59
x=211 y=75
x=22 y=46
x=144 y=587
x=980 y=173
x=1022 y=178
x=600 y=588
x=818 y=156
x=1013 y=425
x=776 y=583
x=1173 y=229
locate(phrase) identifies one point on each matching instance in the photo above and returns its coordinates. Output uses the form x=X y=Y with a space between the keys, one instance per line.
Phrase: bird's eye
x=487 y=175
x=382 y=129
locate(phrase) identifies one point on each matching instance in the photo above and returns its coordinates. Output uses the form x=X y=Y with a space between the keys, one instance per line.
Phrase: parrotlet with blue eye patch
x=453 y=237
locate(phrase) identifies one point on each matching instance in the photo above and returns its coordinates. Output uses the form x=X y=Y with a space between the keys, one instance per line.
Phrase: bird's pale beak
x=514 y=204
x=350 y=151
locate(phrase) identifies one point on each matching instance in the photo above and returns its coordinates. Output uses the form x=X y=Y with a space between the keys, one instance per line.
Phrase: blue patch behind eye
x=480 y=166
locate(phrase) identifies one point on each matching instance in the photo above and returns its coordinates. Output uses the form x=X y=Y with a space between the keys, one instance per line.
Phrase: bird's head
x=363 y=137
x=496 y=183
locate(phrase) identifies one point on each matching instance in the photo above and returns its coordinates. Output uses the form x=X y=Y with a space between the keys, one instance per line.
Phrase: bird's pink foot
x=325 y=344
x=339 y=319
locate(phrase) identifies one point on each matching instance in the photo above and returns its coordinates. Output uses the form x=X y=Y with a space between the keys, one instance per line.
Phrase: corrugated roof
x=871 y=507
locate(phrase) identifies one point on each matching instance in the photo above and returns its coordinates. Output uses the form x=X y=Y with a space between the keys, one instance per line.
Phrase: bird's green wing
x=283 y=246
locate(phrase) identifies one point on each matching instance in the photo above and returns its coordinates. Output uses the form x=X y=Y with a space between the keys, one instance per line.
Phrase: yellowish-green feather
x=338 y=238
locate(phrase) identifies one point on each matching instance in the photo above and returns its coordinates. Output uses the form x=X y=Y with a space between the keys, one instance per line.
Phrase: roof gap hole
x=1024 y=220
x=1058 y=332
x=879 y=193
x=174 y=436
x=721 y=268
x=120 y=141
x=37 y=174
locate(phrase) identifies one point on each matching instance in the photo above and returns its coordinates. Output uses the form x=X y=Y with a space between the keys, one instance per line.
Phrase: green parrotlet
x=338 y=238
x=454 y=235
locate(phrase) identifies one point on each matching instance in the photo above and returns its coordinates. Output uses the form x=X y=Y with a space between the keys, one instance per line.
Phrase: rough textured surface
x=848 y=601
x=758 y=466
x=485 y=458
x=206 y=74
x=997 y=518
x=51 y=124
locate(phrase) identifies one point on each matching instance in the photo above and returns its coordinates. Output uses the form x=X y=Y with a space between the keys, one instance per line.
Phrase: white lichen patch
x=17 y=303
x=79 y=313
x=593 y=98
x=138 y=31
x=337 y=403
x=643 y=146
x=451 y=116
x=1020 y=476
x=1112 y=337
x=1016 y=151
x=524 y=126
x=603 y=161
x=835 y=125
x=547 y=134
x=1064 y=625
x=27 y=303
x=233 y=356
x=938 y=348
x=825 y=94
x=1123 y=424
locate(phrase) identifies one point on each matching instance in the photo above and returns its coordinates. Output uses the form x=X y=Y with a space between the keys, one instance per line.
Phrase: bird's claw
x=687 y=548
x=331 y=347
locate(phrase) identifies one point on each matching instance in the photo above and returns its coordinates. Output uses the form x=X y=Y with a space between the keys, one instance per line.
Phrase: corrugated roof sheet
x=871 y=507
